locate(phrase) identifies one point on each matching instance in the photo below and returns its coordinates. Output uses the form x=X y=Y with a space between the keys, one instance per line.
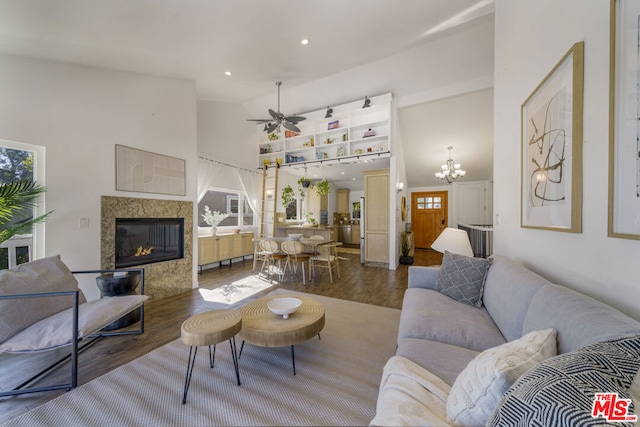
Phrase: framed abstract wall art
x=624 y=121
x=551 y=156
x=146 y=172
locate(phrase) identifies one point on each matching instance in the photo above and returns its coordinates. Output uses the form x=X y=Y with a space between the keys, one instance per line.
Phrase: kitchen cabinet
x=355 y=234
x=352 y=131
x=376 y=233
x=224 y=247
x=343 y=201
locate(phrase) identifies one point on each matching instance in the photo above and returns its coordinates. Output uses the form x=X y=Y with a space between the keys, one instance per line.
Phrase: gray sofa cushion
x=42 y=275
x=579 y=319
x=446 y=361
x=508 y=291
x=462 y=278
x=561 y=390
x=431 y=315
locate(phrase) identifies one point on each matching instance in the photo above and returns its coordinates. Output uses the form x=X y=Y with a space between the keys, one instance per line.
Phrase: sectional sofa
x=526 y=352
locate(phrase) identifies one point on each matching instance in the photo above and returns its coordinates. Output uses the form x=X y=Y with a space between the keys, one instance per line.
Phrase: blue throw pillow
x=561 y=390
x=462 y=278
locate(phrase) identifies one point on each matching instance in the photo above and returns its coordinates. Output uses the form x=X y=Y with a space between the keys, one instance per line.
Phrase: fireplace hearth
x=141 y=241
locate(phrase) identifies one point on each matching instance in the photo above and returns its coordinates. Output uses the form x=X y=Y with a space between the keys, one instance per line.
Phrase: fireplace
x=147 y=240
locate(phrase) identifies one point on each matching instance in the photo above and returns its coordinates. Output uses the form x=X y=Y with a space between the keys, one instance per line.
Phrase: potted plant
x=288 y=196
x=302 y=184
x=323 y=187
x=405 y=248
x=17 y=200
x=213 y=218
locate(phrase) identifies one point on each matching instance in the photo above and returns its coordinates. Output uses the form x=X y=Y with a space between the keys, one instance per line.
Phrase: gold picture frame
x=551 y=148
x=624 y=127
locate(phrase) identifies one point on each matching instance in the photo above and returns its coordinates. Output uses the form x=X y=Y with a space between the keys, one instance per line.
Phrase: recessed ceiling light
x=227 y=73
x=305 y=41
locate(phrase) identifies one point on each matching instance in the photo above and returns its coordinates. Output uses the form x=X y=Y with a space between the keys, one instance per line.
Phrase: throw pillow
x=480 y=386
x=462 y=278
x=561 y=390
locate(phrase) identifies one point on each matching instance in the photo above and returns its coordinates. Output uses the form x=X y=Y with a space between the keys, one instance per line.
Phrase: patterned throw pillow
x=462 y=278
x=480 y=386
x=561 y=390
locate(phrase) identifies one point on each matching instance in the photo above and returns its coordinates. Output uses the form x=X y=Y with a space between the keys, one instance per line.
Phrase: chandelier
x=451 y=171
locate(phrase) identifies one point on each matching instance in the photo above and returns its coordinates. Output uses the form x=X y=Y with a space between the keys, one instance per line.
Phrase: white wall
x=79 y=114
x=531 y=37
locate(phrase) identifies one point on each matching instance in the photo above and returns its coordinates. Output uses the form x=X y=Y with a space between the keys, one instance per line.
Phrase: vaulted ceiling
x=259 y=43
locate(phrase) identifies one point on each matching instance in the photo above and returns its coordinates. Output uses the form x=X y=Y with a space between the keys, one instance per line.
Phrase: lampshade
x=453 y=240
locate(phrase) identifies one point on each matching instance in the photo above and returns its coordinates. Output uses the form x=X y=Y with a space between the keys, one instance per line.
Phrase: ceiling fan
x=278 y=119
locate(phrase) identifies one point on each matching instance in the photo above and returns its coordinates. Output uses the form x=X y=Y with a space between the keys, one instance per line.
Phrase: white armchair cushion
x=56 y=331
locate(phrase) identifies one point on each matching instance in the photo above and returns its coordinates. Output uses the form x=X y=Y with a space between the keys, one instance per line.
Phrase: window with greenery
x=17 y=162
x=226 y=201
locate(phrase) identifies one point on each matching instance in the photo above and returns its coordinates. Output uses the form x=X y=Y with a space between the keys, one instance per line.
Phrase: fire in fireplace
x=146 y=240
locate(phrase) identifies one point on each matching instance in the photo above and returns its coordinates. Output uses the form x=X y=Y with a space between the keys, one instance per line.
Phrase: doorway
x=429 y=216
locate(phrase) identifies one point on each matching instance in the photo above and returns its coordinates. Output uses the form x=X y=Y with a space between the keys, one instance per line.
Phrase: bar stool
x=210 y=328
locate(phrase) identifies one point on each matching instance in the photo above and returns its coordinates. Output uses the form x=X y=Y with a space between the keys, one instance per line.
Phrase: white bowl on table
x=284 y=306
x=295 y=236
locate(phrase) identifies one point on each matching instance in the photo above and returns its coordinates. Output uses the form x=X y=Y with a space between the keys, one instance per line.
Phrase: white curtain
x=208 y=172
x=252 y=186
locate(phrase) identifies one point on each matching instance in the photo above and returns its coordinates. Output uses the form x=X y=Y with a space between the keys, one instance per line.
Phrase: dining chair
x=295 y=255
x=327 y=257
x=271 y=253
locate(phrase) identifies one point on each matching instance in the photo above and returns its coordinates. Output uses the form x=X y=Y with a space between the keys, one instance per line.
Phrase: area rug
x=336 y=382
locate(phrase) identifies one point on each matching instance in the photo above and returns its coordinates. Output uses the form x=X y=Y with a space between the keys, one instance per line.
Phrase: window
x=429 y=202
x=22 y=161
x=226 y=201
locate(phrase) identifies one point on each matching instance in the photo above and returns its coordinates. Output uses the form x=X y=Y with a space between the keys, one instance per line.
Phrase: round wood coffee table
x=262 y=328
x=208 y=329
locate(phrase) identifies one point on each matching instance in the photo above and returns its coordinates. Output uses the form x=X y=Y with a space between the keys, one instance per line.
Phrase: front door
x=429 y=213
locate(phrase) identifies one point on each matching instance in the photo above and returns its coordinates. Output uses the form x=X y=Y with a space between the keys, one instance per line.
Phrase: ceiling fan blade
x=290 y=126
x=295 y=119
x=273 y=114
x=272 y=127
x=259 y=120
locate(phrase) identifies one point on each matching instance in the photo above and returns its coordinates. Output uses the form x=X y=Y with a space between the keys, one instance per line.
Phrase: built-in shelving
x=352 y=131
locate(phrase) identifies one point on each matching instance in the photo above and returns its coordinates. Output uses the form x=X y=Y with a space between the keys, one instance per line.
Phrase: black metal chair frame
x=75 y=347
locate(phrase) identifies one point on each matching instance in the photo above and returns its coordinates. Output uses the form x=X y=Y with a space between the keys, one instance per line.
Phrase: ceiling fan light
x=367 y=103
x=329 y=113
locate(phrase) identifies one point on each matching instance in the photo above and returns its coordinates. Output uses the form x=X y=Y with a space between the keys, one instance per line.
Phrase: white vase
x=213 y=231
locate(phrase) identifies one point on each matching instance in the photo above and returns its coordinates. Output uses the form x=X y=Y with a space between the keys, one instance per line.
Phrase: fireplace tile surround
x=162 y=279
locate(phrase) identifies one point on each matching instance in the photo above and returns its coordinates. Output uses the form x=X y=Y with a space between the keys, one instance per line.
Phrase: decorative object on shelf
x=551 y=147
x=288 y=196
x=359 y=151
x=329 y=140
x=290 y=134
x=320 y=155
x=345 y=136
x=333 y=125
x=273 y=137
x=278 y=119
x=406 y=242
x=367 y=103
x=340 y=152
x=369 y=132
x=323 y=187
x=213 y=219
x=450 y=171
x=329 y=113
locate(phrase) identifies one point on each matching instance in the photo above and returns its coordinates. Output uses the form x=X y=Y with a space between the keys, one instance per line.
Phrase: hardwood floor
x=370 y=285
